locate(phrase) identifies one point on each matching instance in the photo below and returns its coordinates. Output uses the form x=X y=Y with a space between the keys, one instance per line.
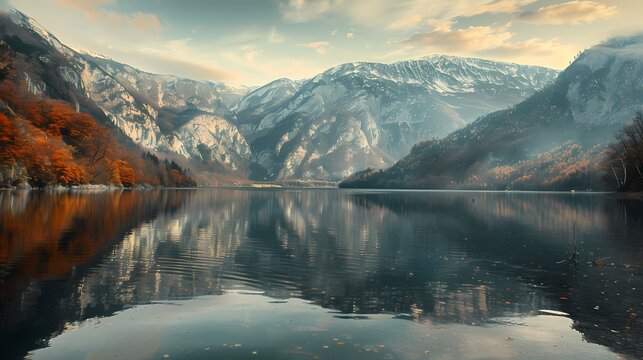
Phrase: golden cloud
x=472 y=38
x=95 y=12
x=320 y=46
x=572 y=12
x=490 y=41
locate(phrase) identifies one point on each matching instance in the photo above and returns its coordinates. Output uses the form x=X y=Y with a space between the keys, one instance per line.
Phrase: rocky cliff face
x=362 y=115
x=345 y=119
x=161 y=113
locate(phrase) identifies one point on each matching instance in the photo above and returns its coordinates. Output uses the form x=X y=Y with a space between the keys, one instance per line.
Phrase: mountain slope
x=552 y=140
x=158 y=112
x=367 y=114
x=45 y=142
x=348 y=118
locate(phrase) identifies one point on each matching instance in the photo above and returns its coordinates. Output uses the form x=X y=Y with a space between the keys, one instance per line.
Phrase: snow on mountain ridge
x=351 y=116
x=362 y=114
x=446 y=74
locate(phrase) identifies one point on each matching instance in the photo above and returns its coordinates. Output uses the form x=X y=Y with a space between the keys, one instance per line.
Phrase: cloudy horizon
x=253 y=42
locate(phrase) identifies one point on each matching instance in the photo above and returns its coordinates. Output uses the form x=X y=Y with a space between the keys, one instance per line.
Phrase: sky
x=252 y=42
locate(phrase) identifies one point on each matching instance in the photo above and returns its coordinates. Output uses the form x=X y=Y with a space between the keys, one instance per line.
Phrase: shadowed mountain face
x=362 y=115
x=348 y=118
x=552 y=140
x=429 y=257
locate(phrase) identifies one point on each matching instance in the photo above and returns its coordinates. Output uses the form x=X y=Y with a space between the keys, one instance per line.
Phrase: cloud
x=499 y=7
x=189 y=69
x=487 y=41
x=89 y=8
x=347 y=34
x=572 y=12
x=472 y=38
x=298 y=11
x=95 y=12
x=406 y=22
x=178 y=57
x=400 y=14
x=320 y=46
x=275 y=37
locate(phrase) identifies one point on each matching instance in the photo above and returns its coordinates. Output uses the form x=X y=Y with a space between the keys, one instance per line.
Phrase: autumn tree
x=123 y=173
x=10 y=141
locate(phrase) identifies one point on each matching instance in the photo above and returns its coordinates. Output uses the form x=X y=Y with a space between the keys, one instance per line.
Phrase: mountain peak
x=625 y=48
x=21 y=19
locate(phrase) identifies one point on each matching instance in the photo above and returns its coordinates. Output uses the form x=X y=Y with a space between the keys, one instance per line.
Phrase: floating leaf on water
x=602 y=262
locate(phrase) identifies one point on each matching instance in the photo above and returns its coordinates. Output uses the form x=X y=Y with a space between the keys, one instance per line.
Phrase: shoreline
x=111 y=187
x=628 y=195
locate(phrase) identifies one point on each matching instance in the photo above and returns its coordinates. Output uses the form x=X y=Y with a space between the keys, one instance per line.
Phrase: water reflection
x=431 y=257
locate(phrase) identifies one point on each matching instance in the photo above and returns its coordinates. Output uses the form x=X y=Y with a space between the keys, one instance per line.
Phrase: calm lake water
x=307 y=274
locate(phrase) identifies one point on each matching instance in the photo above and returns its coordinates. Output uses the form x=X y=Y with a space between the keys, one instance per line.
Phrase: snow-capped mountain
x=167 y=113
x=347 y=118
x=552 y=140
x=263 y=103
x=360 y=115
x=162 y=113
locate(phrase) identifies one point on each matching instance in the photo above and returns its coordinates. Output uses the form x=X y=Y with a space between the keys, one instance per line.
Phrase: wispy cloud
x=297 y=11
x=498 y=7
x=275 y=37
x=572 y=12
x=489 y=41
x=95 y=12
x=401 y=14
x=472 y=38
x=179 y=57
x=320 y=46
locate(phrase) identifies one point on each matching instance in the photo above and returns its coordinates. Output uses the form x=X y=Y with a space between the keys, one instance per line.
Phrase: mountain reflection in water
x=434 y=258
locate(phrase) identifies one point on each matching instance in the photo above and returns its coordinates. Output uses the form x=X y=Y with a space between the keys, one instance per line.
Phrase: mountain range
x=555 y=139
x=348 y=118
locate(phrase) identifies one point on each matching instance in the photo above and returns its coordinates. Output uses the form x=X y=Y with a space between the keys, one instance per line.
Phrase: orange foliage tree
x=123 y=173
x=56 y=144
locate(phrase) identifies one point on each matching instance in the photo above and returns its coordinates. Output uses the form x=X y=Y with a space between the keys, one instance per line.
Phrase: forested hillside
x=45 y=142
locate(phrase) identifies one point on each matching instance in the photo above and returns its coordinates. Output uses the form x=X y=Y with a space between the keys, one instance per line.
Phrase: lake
x=319 y=274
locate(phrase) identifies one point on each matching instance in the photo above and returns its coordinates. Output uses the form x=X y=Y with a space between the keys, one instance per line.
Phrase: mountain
x=555 y=139
x=167 y=113
x=45 y=138
x=358 y=115
x=263 y=104
x=161 y=113
x=347 y=118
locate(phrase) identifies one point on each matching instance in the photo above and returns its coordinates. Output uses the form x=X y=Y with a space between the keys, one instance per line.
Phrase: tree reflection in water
x=430 y=257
